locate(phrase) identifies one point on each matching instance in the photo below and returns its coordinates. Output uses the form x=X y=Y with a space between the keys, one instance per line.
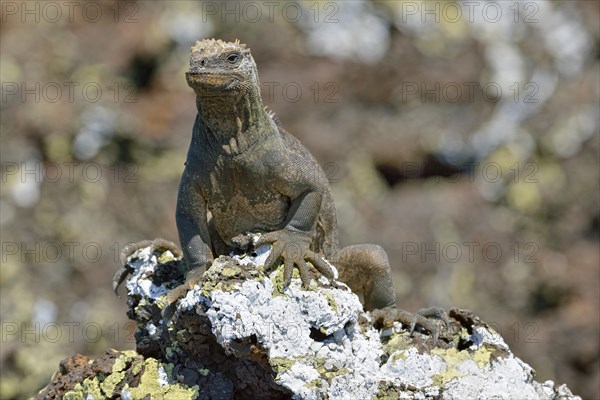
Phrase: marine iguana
x=245 y=174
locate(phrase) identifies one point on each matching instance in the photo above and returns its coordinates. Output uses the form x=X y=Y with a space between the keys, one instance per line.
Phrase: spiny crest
x=215 y=46
x=273 y=116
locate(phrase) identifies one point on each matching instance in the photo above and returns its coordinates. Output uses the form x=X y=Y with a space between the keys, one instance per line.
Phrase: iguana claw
x=422 y=318
x=294 y=249
x=130 y=248
x=120 y=276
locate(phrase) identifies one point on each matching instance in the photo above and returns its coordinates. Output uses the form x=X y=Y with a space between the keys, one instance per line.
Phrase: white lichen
x=143 y=262
x=317 y=349
x=163 y=379
x=507 y=378
x=411 y=367
x=482 y=335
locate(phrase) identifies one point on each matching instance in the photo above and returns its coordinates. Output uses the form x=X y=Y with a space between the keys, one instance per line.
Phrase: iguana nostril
x=202 y=62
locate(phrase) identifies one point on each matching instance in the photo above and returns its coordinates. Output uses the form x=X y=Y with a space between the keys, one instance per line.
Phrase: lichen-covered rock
x=124 y=374
x=241 y=334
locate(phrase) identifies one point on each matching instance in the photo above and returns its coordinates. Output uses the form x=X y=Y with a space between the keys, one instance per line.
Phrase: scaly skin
x=254 y=177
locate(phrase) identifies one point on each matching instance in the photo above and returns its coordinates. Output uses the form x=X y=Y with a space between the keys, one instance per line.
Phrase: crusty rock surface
x=241 y=334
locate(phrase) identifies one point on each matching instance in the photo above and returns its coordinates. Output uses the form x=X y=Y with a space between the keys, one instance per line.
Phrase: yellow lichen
x=330 y=300
x=89 y=388
x=150 y=384
x=398 y=341
x=165 y=257
x=281 y=364
x=314 y=384
x=453 y=358
x=230 y=272
x=110 y=383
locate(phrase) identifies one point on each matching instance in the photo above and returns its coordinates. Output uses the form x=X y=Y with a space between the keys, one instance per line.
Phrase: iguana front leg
x=292 y=244
x=192 y=224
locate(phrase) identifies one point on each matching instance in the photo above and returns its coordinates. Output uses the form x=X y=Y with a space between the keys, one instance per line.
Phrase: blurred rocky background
x=461 y=136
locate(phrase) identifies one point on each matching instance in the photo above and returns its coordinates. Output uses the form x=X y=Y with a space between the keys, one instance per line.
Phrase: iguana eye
x=232 y=58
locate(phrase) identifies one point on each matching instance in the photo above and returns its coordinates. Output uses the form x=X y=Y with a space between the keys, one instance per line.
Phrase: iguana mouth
x=211 y=78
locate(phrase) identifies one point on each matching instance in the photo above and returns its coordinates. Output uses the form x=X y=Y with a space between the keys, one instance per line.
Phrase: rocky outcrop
x=241 y=334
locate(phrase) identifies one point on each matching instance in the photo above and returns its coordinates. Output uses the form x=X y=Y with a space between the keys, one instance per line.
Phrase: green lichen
x=168 y=368
x=162 y=302
x=230 y=272
x=224 y=287
x=121 y=362
x=228 y=287
x=398 y=341
x=482 y=356
x=183 y=335
x=150 y=385
x=330 y=300
x=281 y=364
x=203 y=371
x=130 y=363
x=165 y=257
x=386 y=391
x=136 y=368
x=100 y=386
x=329 y=375
x=453 y=358
x=172 y=351
x=318 y=364
x=141 y=305
x=207 y=287
x=314 y=384
x=110 y=383
x=211 y=277
x=217 y=275
x=89 y=388
x=75 y=394
x=278 y=281
x=398 y=355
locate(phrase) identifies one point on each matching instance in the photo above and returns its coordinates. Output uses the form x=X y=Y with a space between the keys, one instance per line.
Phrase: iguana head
x=221 y=68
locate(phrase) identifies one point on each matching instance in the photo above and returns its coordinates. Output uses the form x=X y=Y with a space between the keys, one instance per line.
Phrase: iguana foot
x=294 y=249
x=424 y=318
x=193 y=277
x=130 y=248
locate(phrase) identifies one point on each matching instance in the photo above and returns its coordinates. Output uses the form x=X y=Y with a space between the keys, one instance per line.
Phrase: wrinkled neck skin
x=230 y=124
